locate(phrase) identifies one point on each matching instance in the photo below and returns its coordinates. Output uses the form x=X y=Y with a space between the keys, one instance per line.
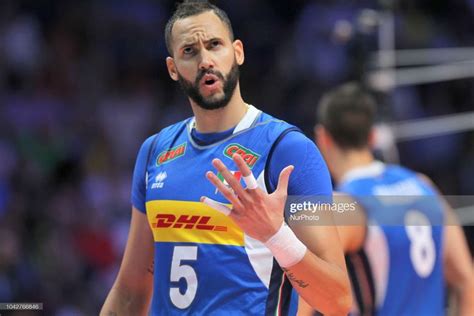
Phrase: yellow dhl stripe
x=196 y=222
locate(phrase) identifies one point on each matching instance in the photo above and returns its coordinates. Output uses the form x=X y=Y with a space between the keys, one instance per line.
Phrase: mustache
x=203 y=72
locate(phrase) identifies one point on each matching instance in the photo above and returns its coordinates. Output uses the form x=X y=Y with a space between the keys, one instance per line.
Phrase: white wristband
x=287 y=249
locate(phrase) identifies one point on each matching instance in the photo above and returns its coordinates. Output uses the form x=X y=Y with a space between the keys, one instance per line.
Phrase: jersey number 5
x=422 y=246
x=179 y=271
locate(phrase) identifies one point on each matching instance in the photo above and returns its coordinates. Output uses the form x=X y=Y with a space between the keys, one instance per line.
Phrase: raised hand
x=259 y=214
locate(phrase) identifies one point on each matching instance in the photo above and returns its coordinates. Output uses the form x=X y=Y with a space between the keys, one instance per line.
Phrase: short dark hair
x=348 y=113
x=194 y=7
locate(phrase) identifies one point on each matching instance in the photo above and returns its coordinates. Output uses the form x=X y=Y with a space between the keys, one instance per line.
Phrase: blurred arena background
x=82 y=83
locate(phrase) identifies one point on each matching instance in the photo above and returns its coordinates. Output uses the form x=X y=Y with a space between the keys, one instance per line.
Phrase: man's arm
x=352 y=225
x=132 y=289
x=352 y=237
x=458 y=266
x=351 y=228
x=319 y=275
x=320 y=278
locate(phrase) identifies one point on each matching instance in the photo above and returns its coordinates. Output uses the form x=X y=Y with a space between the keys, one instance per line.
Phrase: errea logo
x=159 y=180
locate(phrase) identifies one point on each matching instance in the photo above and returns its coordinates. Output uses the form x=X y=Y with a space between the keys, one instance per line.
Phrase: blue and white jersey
x=204 y=263
x=399 y=271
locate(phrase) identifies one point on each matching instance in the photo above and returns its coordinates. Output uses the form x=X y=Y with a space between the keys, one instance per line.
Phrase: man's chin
x=213 y=98
x=213 y=103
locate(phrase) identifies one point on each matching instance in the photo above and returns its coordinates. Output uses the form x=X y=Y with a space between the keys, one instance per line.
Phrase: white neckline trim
x=372 y=170
x=245 y=122
x=248 y=119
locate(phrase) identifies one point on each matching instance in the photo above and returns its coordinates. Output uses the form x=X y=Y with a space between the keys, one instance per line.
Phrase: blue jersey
x=205 y=264
x=400 y=264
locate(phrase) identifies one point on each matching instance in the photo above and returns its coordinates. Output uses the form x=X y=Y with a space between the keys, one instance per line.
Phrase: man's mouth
x=210 y=83
x=209 y=79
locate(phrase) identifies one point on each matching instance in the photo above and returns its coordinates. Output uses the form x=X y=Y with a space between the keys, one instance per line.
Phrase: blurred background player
x=398 y=263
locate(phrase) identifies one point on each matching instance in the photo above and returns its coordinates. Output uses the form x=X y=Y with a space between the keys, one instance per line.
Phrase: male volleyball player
x=399 y=261
x=245 y=260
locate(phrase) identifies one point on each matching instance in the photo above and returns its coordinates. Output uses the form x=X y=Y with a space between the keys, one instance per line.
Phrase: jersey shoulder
x=398 y=172
x=273 y=125
x=376 y=176
x=168 y=136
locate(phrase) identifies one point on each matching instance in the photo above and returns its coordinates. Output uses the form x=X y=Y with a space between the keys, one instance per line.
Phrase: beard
x=212 y=102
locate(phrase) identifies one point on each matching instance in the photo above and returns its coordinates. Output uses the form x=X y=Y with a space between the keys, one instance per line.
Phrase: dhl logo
x=172 y=154
x=186 y=222
x=191 y=221
x=249 y=156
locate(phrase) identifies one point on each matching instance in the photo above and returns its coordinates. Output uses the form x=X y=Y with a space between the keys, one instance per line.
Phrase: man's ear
x=172 y=68
x=315 y=132
x=239 y=51
x=321 y=136
x=372 y=138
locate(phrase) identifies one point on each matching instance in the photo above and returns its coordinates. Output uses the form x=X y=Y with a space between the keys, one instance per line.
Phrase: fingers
x=284 y=179
x=239 y=161
x=250 y=182
x=247 y=174
x=224 y=209
x=228 y=194
x=229 y=177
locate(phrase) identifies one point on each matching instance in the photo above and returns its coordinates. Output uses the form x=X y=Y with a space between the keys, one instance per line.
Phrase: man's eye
x=188 y=50
x=215 y=43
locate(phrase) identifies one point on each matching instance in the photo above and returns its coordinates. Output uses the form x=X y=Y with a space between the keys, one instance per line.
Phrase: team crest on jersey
x=237 y=175
x=172 y=154
x=249 y=156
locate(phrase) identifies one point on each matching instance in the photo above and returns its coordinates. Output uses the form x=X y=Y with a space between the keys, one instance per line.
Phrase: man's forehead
x=207 y=25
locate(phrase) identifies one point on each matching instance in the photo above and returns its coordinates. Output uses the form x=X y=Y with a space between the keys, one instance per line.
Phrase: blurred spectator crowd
x=83 y=83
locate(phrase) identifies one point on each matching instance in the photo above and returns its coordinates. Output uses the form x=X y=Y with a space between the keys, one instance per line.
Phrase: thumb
x=284 y=179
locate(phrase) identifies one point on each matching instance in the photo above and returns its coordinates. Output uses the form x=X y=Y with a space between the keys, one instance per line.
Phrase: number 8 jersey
x=399 y=270
x=204 y=263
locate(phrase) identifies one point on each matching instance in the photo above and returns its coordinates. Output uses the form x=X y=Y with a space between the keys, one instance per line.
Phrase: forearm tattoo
x=294 y=280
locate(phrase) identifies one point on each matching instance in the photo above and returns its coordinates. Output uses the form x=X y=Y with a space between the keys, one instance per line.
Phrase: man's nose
x=206 y=60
